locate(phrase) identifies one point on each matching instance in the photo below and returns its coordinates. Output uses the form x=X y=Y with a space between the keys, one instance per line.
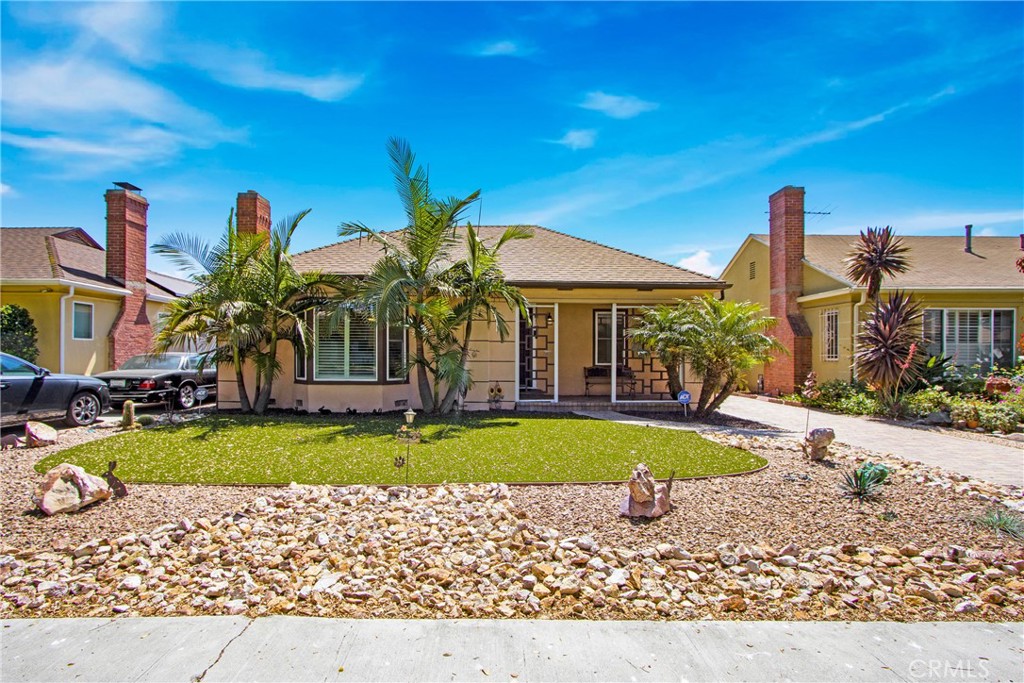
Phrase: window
x=830 y=334
x=970 y=336
x=347 y=350
x=603 y=337
x=397 y=354
x=11 y=366
x=300 y=360
x=753 y=270
x=81 y=321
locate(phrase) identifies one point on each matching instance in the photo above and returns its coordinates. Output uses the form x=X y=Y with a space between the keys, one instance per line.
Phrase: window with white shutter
x=347 y=350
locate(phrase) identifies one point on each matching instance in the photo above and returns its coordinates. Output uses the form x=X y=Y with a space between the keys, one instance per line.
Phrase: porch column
x=557 y=364
x=515 y=364
x=615 y=359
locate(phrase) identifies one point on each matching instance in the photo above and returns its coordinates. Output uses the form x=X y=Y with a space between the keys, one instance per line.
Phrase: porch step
x=571 y=406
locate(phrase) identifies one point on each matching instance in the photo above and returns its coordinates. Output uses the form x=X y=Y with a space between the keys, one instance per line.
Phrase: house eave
x=61 y=282
x=538 y=284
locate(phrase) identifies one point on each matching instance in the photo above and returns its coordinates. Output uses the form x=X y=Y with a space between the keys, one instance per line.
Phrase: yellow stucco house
x=572 y=352
x=971 y=292
x=93 y=307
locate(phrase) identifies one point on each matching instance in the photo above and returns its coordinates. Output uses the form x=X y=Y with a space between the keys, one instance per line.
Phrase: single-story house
x=969 y=287
x=583 y=296
x=93 y=307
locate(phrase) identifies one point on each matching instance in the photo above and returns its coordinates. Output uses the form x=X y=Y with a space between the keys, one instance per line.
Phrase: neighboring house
x=970 y=290
x=582 y=295
x=93 y=308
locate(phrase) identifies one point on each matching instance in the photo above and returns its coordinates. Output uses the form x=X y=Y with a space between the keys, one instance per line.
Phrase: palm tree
x=721 y=339
x=412 y=282
x=658 y=331
x=482 y=290
x=878 y=253
x=218 y=311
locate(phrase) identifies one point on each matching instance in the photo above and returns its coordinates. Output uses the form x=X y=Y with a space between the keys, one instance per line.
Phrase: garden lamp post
x=407 y=435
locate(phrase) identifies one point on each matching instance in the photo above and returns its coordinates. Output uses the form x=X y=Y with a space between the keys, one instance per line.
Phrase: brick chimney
x=253 y=214
x=786 y=247
x=131 y=333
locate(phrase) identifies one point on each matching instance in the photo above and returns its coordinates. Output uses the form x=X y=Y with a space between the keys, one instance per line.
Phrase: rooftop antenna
x=128 y=186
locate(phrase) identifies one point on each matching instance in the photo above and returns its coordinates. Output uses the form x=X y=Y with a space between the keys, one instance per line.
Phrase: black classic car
x=29 y=392
x=158 y=379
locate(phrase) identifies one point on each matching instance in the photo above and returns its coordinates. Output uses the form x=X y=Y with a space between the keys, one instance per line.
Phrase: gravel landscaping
x=781 y=543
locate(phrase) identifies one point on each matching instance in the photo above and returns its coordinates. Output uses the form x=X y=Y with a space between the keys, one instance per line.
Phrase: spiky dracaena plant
x=887 y=348
x=878 y=253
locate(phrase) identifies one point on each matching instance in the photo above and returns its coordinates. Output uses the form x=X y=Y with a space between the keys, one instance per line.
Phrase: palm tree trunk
x=243 y=393
x=707 y=387
x=263 y=398
x=674 y=385
x=423 y=383
x=723 y=394
x=454 y=390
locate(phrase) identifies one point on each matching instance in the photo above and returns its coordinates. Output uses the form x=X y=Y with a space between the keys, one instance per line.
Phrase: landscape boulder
x=67 y=488
x=38 y=434
x=647 y=498
x=817 y=442
x=937 y=417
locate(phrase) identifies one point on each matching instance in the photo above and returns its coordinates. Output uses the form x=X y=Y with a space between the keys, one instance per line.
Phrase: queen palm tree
x=878 y=253
x=483 y=295
x=413 y=281
x=658 y=331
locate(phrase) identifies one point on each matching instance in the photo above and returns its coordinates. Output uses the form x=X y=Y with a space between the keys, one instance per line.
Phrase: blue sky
x=659 y=128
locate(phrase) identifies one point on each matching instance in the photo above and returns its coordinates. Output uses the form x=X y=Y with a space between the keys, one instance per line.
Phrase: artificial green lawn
x=505 y=447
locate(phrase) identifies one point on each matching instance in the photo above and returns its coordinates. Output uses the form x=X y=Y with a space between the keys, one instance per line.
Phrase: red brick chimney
x=253 y=214
x=786 y=247
x=131 y=333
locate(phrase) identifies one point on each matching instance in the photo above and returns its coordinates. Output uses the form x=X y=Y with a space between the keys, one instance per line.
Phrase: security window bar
x=830 y=334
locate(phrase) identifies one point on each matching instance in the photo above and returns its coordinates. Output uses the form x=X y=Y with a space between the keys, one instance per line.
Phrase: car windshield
x=152 y=363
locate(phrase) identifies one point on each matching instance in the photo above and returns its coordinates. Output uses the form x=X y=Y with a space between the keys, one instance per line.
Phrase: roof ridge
x=51 y=254
x=628 y=253
x=345 y=241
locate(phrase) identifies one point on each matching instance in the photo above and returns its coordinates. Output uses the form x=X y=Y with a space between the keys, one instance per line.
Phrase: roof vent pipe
x=967 y=238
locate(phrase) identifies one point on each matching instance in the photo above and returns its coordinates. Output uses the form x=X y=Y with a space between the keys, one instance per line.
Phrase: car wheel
x=83 y=409
x=186 y=396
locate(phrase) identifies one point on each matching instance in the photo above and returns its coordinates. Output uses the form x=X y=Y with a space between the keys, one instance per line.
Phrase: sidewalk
x=311 y=649
x=978 y=459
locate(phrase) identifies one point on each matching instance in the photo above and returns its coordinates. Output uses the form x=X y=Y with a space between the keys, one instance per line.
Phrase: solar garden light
x=407 y=435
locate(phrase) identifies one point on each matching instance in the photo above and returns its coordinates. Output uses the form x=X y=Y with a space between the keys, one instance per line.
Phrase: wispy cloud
x=620 y=183
x=702 y=262
x=578 y=139
x=985 y=222
x=6 y=190
x=617 y=106
x=503 y=48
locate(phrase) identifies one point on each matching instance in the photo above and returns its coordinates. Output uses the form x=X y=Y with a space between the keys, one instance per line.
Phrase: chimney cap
x=128 y=186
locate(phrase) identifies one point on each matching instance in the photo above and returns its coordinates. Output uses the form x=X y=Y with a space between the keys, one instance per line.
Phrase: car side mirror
x=42 y=372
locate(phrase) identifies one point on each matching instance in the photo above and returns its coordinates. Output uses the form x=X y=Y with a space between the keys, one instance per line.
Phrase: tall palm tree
x=219 y=310
x=483 y=296
x=721 y=339
x=412 y=282
x=878 y=253
x=658 y=331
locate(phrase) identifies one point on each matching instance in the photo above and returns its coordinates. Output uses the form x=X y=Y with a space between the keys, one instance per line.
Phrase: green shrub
x=998 y=418
x=18 y=333
x=145 y=420
x=862 y=483
x=1003 y=521
x=927 y=401
x=878 y=470
x=851 y=398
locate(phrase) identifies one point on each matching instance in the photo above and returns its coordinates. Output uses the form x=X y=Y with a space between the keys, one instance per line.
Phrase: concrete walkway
x=311 y=649
x=979 y=459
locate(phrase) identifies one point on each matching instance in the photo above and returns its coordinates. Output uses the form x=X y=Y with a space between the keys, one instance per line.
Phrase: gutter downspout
x=64 y=298
x=853 y=335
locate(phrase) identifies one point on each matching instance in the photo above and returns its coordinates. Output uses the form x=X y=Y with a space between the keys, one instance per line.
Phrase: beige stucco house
x=572 y=351
x=969 y=287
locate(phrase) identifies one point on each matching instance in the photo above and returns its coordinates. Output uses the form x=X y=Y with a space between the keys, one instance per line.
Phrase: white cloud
x=502 y=48
x=132 y=28
x=701 y=262
x=617 y=106
x=6 y=190
x=578 y=139
x=938 y=222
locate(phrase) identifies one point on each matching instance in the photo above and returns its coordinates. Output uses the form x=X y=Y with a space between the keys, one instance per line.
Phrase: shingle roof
x=935 y=262
x=68 y=254
x=548 y=259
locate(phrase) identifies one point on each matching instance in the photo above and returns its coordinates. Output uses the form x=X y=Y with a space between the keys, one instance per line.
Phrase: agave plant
x=887 y=354
x=1003 y=521
x=878 y=253
x=862 y=483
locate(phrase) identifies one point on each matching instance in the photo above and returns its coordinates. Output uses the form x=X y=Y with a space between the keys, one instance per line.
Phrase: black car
x=29 y=392
x=158 y=379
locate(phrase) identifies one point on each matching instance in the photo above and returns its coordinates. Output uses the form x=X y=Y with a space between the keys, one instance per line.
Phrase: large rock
x=38 y=434
x=67 y=488
x=937 y=417
x=647 y=498
x=817 y=442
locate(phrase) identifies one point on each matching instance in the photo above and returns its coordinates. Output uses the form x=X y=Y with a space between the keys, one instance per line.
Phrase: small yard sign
x=683 y=398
